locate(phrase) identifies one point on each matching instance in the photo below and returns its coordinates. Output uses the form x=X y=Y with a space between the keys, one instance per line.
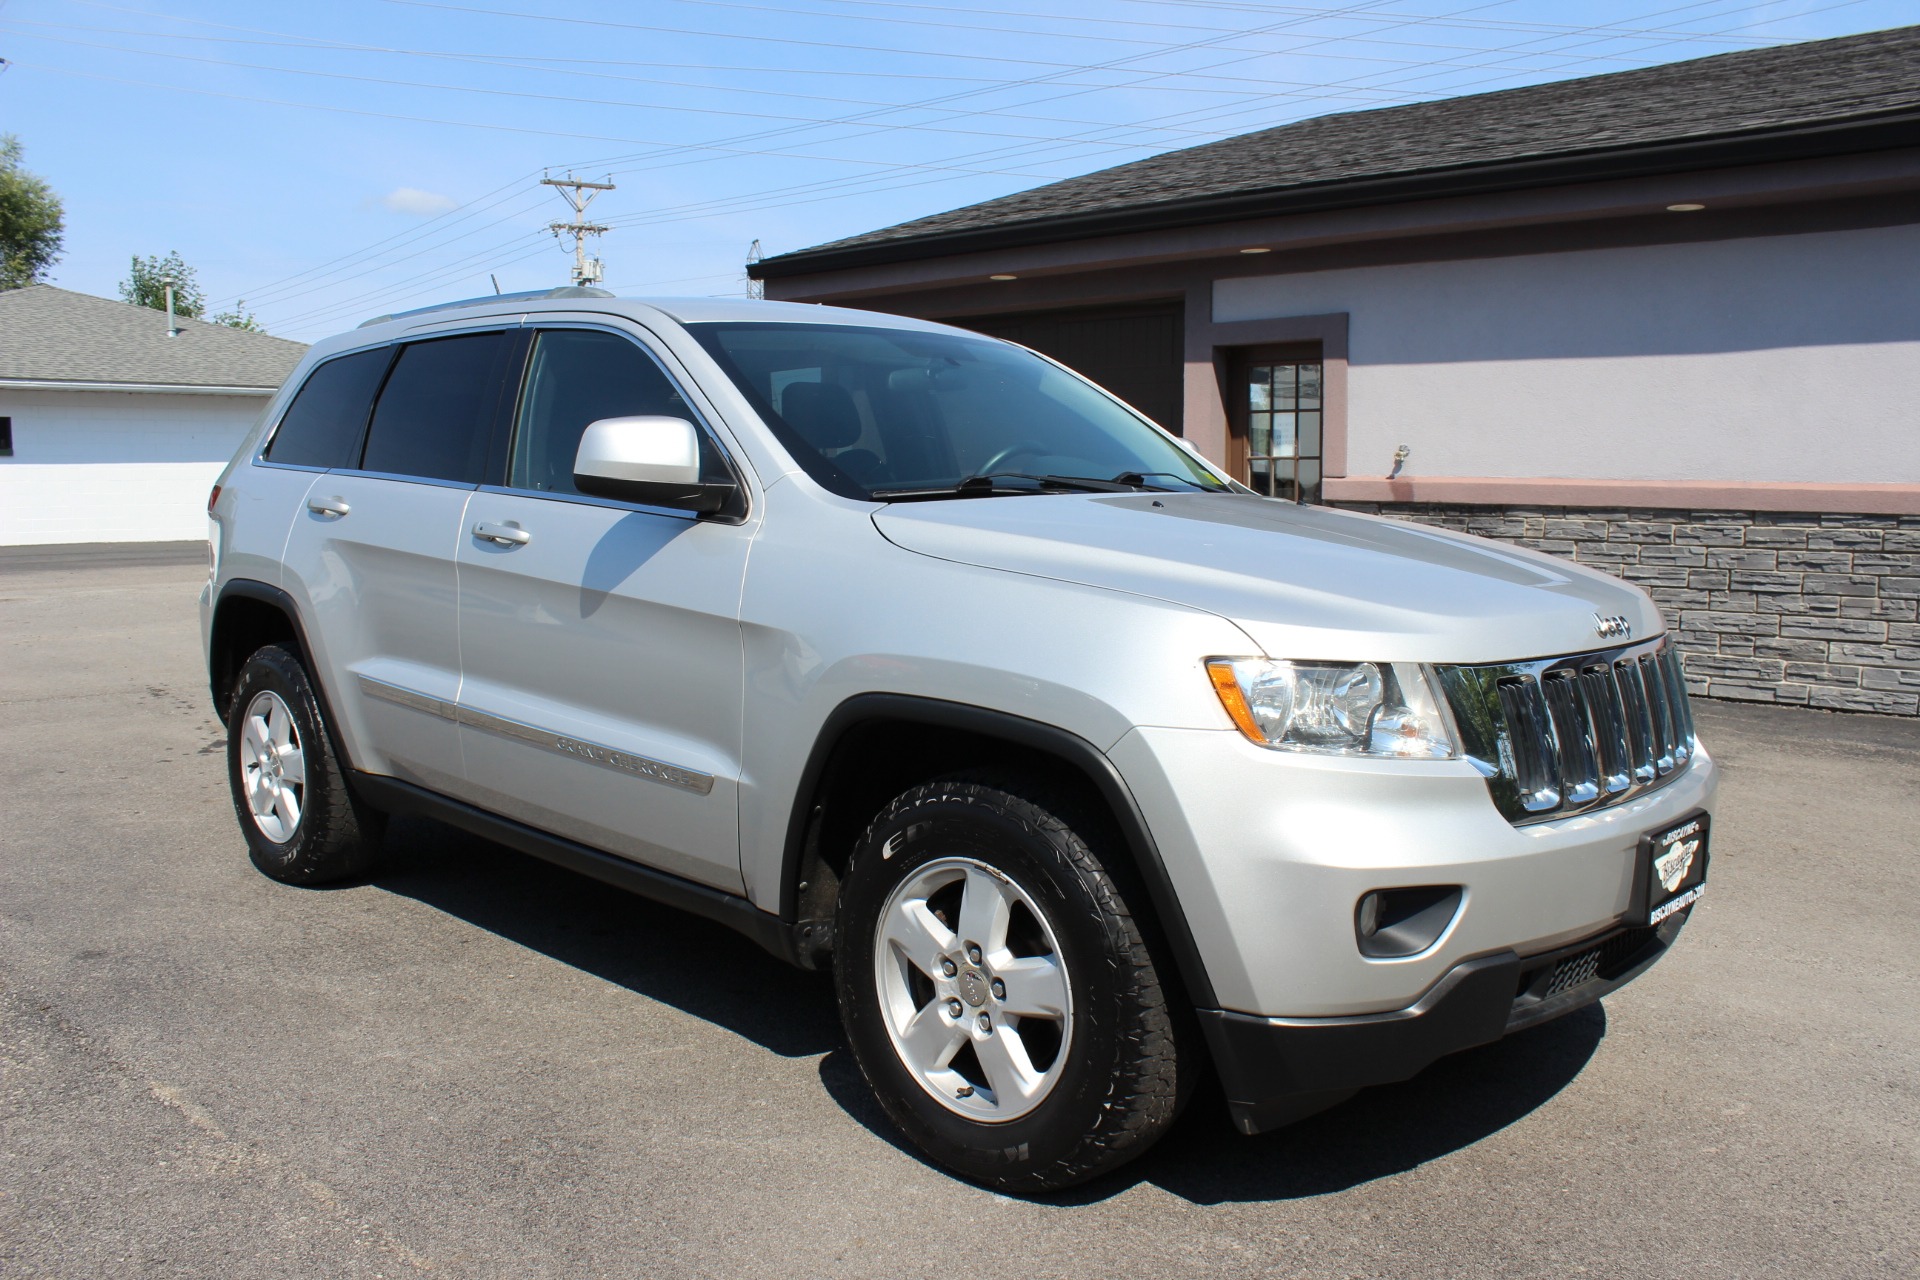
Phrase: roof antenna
x=496 y=283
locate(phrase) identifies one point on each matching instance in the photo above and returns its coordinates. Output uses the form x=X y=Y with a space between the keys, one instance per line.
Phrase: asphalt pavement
x=479 y=1065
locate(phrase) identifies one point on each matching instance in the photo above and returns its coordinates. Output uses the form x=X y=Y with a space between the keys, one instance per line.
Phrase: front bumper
x=1278 y=1070
x=1269 y=853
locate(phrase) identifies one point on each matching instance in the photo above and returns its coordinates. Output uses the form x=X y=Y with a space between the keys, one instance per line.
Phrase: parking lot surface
x=478 y=1065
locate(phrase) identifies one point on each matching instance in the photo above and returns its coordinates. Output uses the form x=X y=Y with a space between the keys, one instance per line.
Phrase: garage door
x=1134 y=352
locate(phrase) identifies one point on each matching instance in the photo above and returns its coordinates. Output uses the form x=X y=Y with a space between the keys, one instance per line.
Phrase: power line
x=516 y=93
x=952 y=170
x=788 y=129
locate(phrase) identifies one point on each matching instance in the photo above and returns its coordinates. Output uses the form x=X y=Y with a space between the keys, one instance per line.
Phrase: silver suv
x=913 y=654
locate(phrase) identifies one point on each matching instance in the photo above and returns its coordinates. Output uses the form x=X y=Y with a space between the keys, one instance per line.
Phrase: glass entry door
x=1277 y=424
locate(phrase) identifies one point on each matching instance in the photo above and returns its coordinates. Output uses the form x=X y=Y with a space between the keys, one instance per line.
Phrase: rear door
x=320 y=430
x=600 y=640
x=372 y=555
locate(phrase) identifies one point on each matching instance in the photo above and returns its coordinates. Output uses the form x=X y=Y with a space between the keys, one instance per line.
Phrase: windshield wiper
x=1138 y=480
x=1084 y=484
x=989 y=485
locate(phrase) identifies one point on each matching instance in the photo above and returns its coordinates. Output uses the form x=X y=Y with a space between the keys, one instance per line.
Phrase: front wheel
x=997 y=992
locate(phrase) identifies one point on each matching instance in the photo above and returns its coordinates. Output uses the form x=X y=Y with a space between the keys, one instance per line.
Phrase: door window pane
x=1283 y=415
x=436 y=410
x=1286 y=386
x=1309 y=435
x=322 y=426
x=577 y=377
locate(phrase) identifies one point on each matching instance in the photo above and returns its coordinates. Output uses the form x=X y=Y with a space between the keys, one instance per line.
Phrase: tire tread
x=1146 y=1088
x=339 y=837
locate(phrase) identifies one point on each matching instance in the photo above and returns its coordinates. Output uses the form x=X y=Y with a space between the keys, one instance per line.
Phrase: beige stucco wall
x=1777 y=358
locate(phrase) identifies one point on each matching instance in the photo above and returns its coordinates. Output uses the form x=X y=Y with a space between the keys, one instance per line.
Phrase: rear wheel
x=301 y=822
x=997 y=992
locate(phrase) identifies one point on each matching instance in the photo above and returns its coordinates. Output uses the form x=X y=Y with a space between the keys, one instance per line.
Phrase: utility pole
x=755 y=288
x=578 y=196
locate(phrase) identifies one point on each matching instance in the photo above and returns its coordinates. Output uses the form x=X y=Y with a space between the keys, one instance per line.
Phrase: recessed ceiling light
x=1256 y=250
x=1685 y=208
x=1003 y=277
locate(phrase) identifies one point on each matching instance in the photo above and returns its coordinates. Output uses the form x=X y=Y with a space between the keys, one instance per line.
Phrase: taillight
x=213 y=498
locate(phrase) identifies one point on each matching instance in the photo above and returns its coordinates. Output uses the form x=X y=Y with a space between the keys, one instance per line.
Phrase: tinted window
x=322 y=426
x=578 y=376
x=436 y=409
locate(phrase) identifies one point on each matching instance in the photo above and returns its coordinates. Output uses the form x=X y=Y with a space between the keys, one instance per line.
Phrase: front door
x=600 y=641
x=1276 y=420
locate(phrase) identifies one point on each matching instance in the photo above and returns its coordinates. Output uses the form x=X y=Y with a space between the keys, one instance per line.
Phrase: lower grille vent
x=1573 y=971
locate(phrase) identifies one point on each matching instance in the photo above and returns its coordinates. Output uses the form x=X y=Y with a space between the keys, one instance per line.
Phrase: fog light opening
x=1390 y=923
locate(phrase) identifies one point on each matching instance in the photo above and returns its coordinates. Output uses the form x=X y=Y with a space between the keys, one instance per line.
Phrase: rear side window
x=322 y=426
x=435 y=413
x=578 y=376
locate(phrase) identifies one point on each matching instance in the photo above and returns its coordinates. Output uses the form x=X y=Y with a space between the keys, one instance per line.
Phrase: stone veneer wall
x=1812 y=610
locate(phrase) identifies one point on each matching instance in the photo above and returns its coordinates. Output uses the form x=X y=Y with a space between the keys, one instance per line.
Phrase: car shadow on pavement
x=699 y=967
x=1376 y=1134
x=712 y=973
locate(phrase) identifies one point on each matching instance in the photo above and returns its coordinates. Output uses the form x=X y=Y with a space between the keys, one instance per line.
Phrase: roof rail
x=564 y=291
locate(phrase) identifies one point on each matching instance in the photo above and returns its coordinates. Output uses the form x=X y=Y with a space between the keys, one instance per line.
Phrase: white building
x=112 y=430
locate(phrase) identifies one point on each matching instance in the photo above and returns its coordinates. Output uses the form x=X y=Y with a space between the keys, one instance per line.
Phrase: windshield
x=894 y=414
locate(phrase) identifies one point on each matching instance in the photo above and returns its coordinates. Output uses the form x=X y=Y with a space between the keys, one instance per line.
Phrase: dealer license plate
x=1673 y=866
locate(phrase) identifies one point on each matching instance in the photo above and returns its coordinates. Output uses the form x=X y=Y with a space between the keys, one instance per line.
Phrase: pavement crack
x=229 y=1154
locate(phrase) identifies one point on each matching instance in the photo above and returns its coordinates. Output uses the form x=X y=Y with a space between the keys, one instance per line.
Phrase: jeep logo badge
x=1612 y=627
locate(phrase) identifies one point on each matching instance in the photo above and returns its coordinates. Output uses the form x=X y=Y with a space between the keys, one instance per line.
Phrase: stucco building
x=110 y=429
x=1666 y=321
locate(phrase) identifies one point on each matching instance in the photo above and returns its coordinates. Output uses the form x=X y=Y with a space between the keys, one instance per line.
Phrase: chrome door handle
x=506 y=535
x=334 y=507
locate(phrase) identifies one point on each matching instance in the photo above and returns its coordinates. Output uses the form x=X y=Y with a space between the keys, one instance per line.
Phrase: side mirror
x=650 y=460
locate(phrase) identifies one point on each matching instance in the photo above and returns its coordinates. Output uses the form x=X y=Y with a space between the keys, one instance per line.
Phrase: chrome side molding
x=671 y=775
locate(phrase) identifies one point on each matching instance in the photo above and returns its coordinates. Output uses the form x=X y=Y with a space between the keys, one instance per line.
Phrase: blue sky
x=328 y=162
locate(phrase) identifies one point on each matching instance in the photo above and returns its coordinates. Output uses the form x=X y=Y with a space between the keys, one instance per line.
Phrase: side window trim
x=506 y=406
x=588 y=500
x=722 y=449
x=366 y=428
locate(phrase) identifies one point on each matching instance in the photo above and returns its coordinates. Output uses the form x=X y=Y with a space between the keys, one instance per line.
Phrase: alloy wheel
x=973 y=989
x=273 y=766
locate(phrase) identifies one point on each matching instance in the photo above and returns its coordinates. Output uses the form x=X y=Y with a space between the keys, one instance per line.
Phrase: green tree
x=32 y=223
x=146 y=286
x=240 y=318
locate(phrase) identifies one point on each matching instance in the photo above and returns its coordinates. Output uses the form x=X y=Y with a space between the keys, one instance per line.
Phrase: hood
x=1302 y=581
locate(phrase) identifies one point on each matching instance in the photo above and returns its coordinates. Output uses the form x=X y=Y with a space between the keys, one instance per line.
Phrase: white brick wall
x=104 y=466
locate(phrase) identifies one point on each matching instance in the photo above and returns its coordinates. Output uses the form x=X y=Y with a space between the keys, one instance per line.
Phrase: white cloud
x=412 y=200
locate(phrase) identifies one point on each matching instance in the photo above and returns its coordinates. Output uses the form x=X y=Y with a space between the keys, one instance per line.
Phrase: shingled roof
x=1823 y=97
x=56 y=335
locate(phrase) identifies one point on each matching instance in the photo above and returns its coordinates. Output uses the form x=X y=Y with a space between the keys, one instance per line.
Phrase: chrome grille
x=1563 y=735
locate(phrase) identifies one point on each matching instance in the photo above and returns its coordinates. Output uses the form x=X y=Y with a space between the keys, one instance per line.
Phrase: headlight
x=1336 y=708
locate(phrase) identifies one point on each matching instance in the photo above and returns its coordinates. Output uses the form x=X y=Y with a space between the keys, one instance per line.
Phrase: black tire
x=1120 y=1087
x=334 y=836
